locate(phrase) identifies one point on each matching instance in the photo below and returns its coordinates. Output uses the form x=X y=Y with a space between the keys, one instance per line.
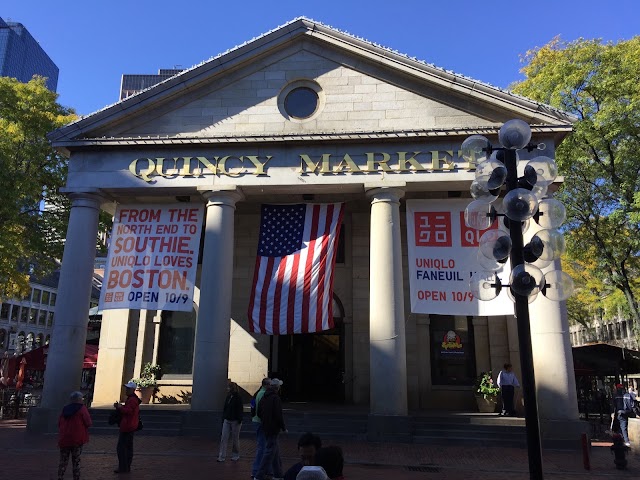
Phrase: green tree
x=31 y=172
x=598 y=83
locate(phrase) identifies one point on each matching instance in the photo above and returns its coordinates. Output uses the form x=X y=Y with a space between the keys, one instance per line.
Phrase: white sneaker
x=235 y=459
x=628 y=444
x=220 y=459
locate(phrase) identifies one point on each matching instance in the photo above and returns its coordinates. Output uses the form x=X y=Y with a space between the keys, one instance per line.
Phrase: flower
x=485 y=385
x=148 y=376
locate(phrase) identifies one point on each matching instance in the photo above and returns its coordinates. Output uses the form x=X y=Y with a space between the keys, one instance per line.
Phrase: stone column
x=211 y=351
x=388 y=364
x=555 y=377
x=481 y=344
x=66 y=349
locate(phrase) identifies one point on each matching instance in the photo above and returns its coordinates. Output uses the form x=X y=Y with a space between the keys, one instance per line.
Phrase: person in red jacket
x=73 y=432
x=129 y=419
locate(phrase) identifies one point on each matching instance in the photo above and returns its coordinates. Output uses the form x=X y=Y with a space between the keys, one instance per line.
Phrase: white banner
x=442 y=257
x=153 y=257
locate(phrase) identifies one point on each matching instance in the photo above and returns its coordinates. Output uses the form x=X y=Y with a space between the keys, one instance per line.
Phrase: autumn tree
x=33 y=216
x=599 y=83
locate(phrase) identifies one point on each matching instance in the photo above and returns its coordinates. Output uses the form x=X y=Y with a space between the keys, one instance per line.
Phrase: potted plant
x=486 y=393
x=147 y=382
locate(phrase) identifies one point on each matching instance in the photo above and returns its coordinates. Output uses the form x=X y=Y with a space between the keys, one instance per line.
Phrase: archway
x=312 y=364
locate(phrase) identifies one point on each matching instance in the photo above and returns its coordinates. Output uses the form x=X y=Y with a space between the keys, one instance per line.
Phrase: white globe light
x=551 y=213
x=495 y=244
x=479 y=215
x=515 y=134
x=485 y=285
x=544 y=168
x=520 y=204
x=558 y=285
x=479 y=192
x=491 y=174
x=475 y=149
x=525 y=280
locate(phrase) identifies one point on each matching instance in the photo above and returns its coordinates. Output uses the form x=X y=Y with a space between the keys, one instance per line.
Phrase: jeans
x=270 y=458
x=125 y=451
x=624 y=427
x=230 y=427
x=260 y=442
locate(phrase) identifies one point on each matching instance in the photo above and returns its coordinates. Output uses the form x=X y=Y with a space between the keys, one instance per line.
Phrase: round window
x=301 y=102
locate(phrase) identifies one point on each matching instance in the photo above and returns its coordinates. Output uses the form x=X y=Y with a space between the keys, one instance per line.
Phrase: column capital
x=391 y=193
x=92 y=198
x=228 y=196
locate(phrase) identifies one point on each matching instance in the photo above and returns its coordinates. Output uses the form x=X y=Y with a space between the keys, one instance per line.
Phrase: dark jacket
x=270 y=413
x=73 y=426
x=130 y=412
x=233 y=408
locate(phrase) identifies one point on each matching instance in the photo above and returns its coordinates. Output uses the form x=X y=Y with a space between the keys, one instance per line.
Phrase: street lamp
x=525 y=199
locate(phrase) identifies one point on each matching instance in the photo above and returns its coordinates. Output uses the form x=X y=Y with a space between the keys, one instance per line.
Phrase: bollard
x=620 y=452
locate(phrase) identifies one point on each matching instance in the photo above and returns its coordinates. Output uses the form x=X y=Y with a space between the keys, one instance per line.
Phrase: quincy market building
x=306 y=114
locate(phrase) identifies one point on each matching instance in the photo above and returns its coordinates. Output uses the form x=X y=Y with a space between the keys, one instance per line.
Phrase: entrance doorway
x=312 y=365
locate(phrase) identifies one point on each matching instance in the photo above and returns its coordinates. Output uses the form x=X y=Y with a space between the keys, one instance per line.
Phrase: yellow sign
x=325 y=164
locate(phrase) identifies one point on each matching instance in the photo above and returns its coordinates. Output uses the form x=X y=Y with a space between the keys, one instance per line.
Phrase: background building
x=132 y=84
x=22 y=57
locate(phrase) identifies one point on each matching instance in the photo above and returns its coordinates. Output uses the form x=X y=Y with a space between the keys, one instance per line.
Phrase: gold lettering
x=186 y=167
x=222 y=166
x=259 y=165
x=160 y=170
x=403 y=160
x=347 y=164
x=371 y=161
x=212 y=167
x=444 y=162
x=312 y=167
x=144 y=174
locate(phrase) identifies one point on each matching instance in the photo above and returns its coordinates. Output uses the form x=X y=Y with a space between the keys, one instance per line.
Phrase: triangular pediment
x=361 y=87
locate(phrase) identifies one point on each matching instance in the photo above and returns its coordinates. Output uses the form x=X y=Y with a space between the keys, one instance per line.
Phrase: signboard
x=153 y=257
x=442 y=257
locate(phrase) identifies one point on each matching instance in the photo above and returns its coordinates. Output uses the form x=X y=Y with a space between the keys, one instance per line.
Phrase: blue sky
x=94 y=43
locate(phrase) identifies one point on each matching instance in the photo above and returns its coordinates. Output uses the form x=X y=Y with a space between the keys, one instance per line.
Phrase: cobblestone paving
x=29 y=456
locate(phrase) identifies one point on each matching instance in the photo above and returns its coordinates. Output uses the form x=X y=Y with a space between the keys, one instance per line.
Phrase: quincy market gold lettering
x=324 y=164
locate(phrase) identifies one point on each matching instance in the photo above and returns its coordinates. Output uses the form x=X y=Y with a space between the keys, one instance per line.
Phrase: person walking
x=623 y=407
x=129 y=420
x=260 y=439
x=507 y=382
x=73 y=433
x=270 y=413
x=231 y=423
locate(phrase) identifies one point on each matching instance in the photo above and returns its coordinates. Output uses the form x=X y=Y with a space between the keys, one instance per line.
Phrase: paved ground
x=29 y=456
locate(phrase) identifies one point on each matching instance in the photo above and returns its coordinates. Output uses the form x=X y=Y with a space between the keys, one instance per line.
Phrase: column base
x=389 y=428
x=206 y=423
x=42 y=420
x=563 y=434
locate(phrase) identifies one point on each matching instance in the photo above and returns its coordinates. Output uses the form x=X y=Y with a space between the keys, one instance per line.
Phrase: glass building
x=22 y=57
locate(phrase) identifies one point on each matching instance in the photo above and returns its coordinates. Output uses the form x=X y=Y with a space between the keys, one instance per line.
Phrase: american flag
x=293 y=279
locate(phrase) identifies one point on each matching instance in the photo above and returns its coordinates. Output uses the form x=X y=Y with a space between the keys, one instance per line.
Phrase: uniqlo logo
x=119 y=297
x=432 y=229
x=108 y=297
x=470 y=237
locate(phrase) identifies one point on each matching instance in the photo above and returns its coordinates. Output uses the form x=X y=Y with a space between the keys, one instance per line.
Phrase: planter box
x=487 y=405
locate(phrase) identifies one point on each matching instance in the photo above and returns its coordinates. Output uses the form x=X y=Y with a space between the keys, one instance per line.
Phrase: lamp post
x=524 y=199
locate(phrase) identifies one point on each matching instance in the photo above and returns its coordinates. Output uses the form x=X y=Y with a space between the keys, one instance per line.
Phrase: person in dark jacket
x=231 y=423
x=270 y=413
x=73 y=432
x=129 y=419
x=308 y=445
x=623 y=407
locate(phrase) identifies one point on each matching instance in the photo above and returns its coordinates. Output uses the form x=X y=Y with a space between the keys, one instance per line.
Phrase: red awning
x=36 y=359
